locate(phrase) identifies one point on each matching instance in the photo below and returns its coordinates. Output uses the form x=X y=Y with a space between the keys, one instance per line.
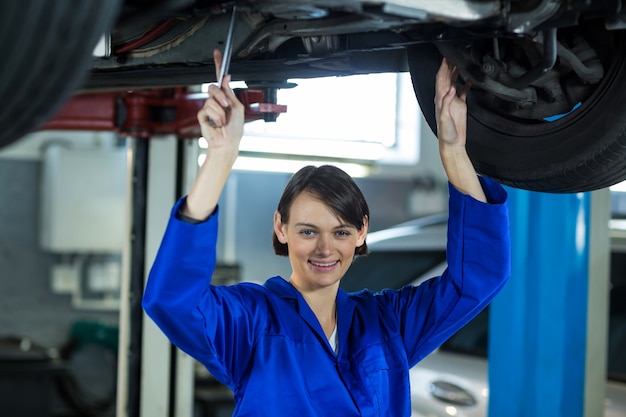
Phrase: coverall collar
x=345 y=308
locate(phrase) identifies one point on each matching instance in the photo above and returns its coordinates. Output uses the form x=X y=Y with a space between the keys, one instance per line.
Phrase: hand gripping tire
x=582 y=151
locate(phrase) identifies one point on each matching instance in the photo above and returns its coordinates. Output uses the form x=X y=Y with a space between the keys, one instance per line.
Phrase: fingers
x=446 y=79
x=445 y=103
x=217 y=59
x=454 y=74
x=218 y=107
x=442 y=82
x=465 y=90
x=222 y=109
x=220 y=95
x=450 y=104
x=230 y=96
x=217 y=115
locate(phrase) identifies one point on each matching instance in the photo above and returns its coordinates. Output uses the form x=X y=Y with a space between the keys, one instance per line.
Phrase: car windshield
x=380 y=270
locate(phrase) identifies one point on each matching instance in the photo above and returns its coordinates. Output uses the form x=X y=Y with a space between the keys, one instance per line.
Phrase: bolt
x=488 y=68
x=525 y=105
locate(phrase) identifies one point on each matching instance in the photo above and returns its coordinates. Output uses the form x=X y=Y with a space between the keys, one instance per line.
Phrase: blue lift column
x=548 y=325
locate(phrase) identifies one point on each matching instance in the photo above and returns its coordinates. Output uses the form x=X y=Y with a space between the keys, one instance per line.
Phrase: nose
x=324 y=244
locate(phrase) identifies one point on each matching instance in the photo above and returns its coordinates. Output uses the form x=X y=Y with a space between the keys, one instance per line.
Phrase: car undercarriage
x=544 y=73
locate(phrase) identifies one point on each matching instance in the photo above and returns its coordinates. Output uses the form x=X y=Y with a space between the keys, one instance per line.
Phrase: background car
x=454 y=377
x=549 y=89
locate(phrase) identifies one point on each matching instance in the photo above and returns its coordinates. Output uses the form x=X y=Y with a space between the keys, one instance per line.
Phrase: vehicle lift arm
x=144 y=113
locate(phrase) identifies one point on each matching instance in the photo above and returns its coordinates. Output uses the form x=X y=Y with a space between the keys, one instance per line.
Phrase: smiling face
x=321 y=245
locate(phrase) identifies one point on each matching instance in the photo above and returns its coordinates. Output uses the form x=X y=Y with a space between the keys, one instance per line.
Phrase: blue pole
x=538 y=331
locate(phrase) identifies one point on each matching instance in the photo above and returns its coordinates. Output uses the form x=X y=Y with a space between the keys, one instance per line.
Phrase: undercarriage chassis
x=543 y=71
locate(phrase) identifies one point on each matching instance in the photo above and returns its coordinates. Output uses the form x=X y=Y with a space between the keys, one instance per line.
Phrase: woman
x=303 y=347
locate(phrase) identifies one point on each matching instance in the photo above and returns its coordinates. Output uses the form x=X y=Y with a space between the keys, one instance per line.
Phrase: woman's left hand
x=450 y=108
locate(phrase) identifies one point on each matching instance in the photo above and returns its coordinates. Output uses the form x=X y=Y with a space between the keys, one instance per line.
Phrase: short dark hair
x=333 y=187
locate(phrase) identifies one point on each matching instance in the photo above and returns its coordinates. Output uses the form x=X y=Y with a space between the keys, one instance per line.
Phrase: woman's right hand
x=221 y=122
x=222 y=117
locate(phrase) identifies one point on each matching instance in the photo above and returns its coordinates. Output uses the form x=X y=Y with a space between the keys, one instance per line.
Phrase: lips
x=324 y=264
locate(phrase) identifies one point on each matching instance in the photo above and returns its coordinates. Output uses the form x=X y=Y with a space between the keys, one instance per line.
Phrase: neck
x=327 y=319
x=323 y=303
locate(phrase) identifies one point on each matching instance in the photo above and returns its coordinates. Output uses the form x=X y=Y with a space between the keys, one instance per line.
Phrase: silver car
x=453 y=379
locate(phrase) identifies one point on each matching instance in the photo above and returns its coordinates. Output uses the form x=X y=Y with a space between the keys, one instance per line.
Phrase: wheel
x=512 y=142
x=46 y=48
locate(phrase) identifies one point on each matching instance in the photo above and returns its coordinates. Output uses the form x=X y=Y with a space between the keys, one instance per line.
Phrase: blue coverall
x=266 y=344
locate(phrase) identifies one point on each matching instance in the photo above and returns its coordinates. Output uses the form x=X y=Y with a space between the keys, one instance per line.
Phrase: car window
x=394 y=269
x=472 y=339
x=617 y=344
x=617 y=319
x=618 y=269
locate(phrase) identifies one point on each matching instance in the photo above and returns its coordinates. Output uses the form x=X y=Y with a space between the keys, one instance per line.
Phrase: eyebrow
x=312 y=226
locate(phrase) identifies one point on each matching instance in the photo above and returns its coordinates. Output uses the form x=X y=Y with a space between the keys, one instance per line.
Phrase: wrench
x=228 y=48
x=226 y=55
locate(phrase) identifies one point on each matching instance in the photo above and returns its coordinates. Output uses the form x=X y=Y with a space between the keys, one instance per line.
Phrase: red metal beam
x=144 y=113
x=86 y=112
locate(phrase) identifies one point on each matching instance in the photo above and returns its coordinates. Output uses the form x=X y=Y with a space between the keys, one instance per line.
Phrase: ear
x=279 y=228
x=363 y=232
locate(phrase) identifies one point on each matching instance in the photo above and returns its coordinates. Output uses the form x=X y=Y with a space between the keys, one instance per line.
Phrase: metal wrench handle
x=228 y=47
x=228 y=50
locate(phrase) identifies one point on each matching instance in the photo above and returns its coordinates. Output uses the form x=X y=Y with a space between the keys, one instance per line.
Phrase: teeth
x=323 y=265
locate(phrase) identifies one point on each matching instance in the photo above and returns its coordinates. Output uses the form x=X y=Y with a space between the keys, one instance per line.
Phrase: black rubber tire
x=46 y=47
x=583 y=151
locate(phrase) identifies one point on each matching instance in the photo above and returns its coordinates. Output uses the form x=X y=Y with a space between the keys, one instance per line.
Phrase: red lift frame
x=144 y=113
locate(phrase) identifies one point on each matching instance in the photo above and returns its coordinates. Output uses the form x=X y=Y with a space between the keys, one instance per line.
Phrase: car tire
x=46 y=47
x=582 y=151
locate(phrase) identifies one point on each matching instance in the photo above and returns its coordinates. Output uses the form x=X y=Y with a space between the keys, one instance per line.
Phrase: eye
x=343 y=233
x=307 y=232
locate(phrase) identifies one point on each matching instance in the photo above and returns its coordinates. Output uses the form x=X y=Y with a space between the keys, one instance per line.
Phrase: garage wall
x=27 y=306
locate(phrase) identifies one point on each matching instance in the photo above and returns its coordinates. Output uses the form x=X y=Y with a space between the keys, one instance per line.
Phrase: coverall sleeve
x=478 y=256
x=217 y=325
